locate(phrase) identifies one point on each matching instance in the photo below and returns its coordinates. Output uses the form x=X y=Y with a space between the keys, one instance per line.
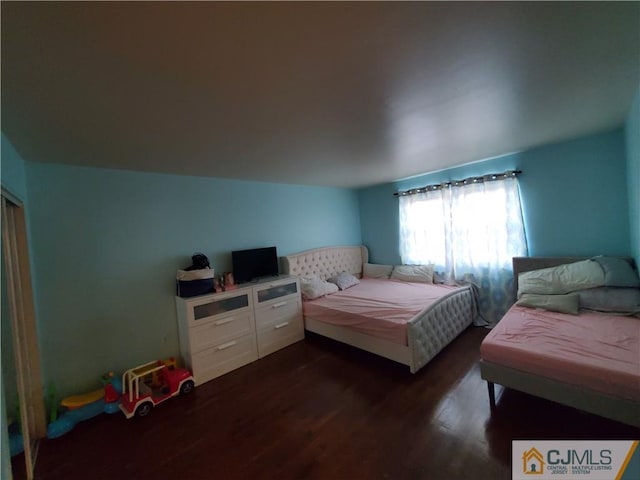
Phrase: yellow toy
x=77 y=401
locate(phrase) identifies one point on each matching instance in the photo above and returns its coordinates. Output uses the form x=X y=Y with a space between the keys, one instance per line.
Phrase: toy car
x=148 y=385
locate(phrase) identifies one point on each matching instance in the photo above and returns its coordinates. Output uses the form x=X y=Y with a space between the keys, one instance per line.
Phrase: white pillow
x=372 y=270
x=561 y=279
x=568 y=303
x=344 y=280
x=313 y=287
x=413 y=273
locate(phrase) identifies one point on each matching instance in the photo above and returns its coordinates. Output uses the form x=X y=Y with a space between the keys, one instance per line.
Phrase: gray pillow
x=618 y=272
x=344 y=280
x=554 y=303
x=607 y=299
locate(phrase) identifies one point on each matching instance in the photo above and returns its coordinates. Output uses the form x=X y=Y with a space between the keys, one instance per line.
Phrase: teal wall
x=107 y=244
x=632 y=131
x=13 y=172
x=574 y=198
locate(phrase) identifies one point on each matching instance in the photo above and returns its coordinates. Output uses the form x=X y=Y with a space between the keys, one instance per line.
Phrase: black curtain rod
x=460 y=183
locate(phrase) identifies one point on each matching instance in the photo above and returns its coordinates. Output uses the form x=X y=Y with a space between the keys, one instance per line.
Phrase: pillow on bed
x=344 y=280
x=439 y=277
x=413 y=273
x=618 y=272
x=372 y=270
x=561 y=279
x=313 y=287
x=606 y=299
x=554 y=303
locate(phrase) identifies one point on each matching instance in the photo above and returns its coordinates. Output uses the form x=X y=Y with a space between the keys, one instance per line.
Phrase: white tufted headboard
x=327 y=262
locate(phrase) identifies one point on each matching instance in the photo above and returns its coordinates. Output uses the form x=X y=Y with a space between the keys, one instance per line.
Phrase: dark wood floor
x=322 y=410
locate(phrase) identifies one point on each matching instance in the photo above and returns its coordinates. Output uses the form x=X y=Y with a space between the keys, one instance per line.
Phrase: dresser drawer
x=274 y=336
x=285 y=309
x=223 y=358
x=274 y=292
x=214 y=307
x=221 y=329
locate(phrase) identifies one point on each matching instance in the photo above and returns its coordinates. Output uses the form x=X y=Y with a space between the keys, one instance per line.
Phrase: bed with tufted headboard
x=327 y=262
x=438 y=321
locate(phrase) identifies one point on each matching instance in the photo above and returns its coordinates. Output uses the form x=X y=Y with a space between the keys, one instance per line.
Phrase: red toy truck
x=148 y=385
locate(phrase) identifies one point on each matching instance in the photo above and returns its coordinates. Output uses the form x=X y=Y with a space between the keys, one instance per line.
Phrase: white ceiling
x=341 y=94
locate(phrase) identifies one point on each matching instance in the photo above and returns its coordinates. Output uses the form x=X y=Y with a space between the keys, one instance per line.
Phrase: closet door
x=23 y=325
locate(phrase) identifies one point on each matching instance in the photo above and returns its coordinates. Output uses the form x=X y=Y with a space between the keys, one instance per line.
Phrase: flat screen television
x=249 y=265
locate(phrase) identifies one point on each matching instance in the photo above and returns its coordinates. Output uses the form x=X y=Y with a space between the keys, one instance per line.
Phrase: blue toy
x=108 y=404
x=16 y=442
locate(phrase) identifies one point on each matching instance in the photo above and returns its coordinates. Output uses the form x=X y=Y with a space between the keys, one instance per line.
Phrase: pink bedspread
x=380 y=308
x=597 y=351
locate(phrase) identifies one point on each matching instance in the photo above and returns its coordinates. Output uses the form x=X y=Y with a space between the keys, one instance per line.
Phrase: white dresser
x=223 y=331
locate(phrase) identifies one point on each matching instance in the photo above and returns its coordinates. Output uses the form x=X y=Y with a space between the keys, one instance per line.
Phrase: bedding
x=413 y=273
x=610 y=299
x=344 y=280
x=593 y=350
x=617 y=272
x=412 y=337
x=377 y=307
x=562 y=279
x=372 y=270
x=568 y=303
x=595 y=272
x=313 y=287
x=589 y=360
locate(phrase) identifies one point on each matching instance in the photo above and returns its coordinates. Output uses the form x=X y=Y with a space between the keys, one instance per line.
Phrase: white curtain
x=471 y=229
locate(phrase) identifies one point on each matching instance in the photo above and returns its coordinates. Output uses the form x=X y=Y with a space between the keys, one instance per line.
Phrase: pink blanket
x=380 y=308
x=597 y=351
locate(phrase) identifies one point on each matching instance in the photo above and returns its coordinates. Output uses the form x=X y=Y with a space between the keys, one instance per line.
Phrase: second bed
x=588 y=360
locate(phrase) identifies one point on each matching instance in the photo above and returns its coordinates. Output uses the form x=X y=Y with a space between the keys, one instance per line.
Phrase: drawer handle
x=280 y=325
x=278 y=305
x=225 y=320
x=227 y=345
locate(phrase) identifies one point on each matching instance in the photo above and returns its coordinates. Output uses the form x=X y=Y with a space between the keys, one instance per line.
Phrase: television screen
x=252 y=264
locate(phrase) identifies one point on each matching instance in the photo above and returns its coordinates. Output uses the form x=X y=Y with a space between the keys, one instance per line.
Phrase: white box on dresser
x=220 y=332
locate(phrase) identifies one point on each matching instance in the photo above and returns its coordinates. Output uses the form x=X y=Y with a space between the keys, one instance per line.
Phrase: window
x=422 y=229
x=470 y=227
